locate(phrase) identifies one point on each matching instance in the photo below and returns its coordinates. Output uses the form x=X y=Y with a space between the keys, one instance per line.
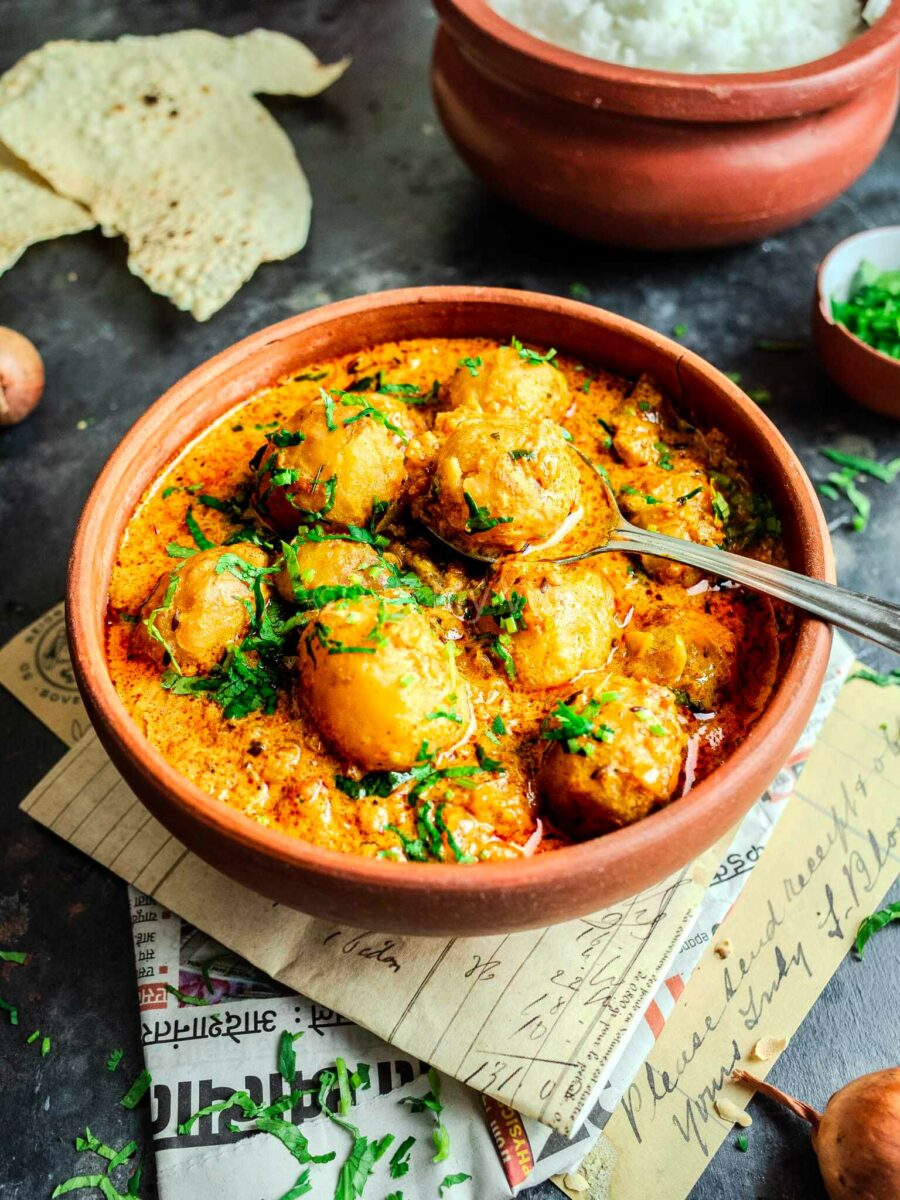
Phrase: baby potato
x=500 y=484
x=198 y=609
x=379 y=683
x=568 y=617
x=327 y=562
x=507 y=382
x=679 y=504
x=637 y=425
x=688 y=650
x=615 y=753
x=335 y=457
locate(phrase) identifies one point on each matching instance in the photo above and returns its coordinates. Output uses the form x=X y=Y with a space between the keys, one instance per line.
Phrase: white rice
x=696 y=36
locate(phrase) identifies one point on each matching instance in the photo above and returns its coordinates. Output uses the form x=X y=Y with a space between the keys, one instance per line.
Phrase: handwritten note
x=838 y=852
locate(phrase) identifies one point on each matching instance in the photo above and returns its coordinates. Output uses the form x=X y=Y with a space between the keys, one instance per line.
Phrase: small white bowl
x=864 y=373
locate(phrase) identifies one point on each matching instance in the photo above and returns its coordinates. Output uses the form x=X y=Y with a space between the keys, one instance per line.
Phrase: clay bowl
x=864 y=373
x=655 y=159
x=442 y=899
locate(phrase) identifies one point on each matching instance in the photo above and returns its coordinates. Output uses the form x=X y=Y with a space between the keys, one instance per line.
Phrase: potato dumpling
x=336 y=456
x=687 y=650
x=198 y=609
x=510 y=382
x=379 y=683
x=680 y=504
x=566 y=624
x=500 y=484
x=638 y=426
x=327 y=562
x=615 y=752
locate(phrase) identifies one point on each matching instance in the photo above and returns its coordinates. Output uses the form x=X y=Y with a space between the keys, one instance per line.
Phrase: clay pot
x=864 y=373
x=421 y=898
x=655 y=159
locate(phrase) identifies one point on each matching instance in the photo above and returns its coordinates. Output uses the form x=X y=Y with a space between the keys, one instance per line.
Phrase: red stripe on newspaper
x=675 y=984
x=654 y=1018
x=513 y=1147
x=151 y=995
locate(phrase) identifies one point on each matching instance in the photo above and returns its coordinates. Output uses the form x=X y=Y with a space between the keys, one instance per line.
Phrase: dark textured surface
x=393 y=207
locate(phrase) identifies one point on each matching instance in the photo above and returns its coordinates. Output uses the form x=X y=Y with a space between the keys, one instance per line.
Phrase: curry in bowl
x=287 y=633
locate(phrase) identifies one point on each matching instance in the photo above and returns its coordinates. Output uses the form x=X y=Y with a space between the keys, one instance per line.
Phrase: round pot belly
x=648 y=182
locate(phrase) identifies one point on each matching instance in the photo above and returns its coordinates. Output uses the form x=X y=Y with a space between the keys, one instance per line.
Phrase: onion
x=690 y=762
x=535 y=840
x=626 y=620
x=697 y=589
x=21 y=377
x=857 y=1138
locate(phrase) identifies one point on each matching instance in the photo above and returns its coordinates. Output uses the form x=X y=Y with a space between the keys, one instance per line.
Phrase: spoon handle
x=877 y=620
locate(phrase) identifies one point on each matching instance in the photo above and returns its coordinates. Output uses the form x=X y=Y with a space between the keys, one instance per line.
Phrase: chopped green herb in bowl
x=872 y=308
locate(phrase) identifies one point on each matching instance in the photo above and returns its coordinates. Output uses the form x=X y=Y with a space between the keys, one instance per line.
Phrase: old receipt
x=838 y=852
x=534 y=1019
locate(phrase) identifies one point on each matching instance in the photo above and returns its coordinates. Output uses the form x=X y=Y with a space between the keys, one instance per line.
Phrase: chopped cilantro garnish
x=32 y=1037
x=573 y=728
x=11 y=1011
x=450 y=1181
x=664 y=462
x=441 y=715
x=531 y=356
x=872 y=308
x=184 y=997
x=201 y=541
x=508 y=613
x=301 y=1187
x=760 y=395
x=138 y=1090
x=45 y=1047
x=287 y=1057
x=579 y=291
x=13 y=956
x=500 y=646
x=679 y=330
x=241 y=1100
x=370 y=411
x=472 y=365
x=628 y=490
x=77 y=1182
x=498 y=725
x=741 y=1142
x=486 y=762
x=844 y=483
x=312 y=378
x=689 y=495
x=871 y=925
x=328 y=401
x=399 y=1164
x=114 y=1059
x=515 y=455
x=287 y=437
x=720 y=506
x=891 y=678
x=479 y=519
x=885 y=472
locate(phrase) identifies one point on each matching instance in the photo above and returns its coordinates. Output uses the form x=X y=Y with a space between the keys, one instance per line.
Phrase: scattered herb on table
x=679 y=330
x=872 y=924
x=45 y=1047
x=138 y=1090
x=184 y=997
x=13 y=956
x=872 y=308
x=450 y=1181
x=11 y=1011
x=287 y=1057
x=884 y=472
x=579 y=291
x=741 y=1142
x=431 y=1102
x=760 y=396
x=880 y=679
x=399 y=1164
x=114 y=1059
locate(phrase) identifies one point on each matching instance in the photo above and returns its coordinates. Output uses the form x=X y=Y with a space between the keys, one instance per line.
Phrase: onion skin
x=21 y=377
x=857 y=1138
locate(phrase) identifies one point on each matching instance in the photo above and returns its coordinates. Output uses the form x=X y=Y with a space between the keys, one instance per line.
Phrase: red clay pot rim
x=825 y=303
x=86 y=642
x=749 y=96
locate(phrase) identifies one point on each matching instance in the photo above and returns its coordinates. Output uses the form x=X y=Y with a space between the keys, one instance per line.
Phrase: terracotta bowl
x=419 y=898
x=864 y=373
x=657 y=159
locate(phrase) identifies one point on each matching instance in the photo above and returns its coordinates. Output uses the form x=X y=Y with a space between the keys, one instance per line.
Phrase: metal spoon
x=877 y=620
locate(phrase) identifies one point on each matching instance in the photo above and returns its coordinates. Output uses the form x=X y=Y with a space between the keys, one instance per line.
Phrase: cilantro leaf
x=450 y=1181
x=13 y=956
x=201 y=541
x=872 y=924
x=114 y=1059
x=480 y=519
x=138 y=1090
x=399 y=1164
x=891 y=678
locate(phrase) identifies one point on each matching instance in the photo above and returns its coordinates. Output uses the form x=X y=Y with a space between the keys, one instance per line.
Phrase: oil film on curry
x=384 y=695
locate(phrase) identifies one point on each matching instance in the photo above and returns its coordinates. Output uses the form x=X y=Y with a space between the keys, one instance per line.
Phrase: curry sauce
x=287 y=633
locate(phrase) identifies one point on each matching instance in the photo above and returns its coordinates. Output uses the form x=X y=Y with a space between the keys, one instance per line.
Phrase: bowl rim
x=670 y=95
x=85 y=628
x=824 y=303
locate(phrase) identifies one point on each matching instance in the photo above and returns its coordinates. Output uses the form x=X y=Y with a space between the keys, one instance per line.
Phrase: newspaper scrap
x=527 y=1149
x=838 y=854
